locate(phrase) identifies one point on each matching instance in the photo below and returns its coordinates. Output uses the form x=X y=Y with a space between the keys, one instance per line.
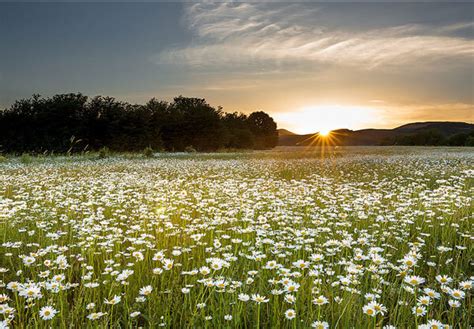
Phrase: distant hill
x=446 y=128
x=417 y=133
x=284 y=132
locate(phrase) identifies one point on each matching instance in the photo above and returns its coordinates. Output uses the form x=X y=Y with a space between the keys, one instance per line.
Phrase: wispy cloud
x=253 y=33
x=434 y=112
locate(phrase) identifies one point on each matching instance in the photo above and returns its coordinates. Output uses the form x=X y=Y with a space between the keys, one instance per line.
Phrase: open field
x=361 y=237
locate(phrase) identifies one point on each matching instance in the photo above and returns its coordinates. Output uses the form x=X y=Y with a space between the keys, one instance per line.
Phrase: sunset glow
x=311 y=66
x=324 y=132
x=327 y=117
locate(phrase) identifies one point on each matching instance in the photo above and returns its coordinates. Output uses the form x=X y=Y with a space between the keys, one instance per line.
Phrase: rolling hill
x=417 y=133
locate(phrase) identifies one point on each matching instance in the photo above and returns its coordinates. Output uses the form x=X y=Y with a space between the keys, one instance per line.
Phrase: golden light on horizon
x=324 y=118
x=324 y=132
x=323 y=142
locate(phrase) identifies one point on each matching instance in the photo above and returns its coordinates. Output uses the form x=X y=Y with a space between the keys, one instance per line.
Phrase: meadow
x=355 y=237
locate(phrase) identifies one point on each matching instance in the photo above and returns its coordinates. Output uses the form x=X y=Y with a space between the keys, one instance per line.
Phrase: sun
x=326 y=118
x=324 y=132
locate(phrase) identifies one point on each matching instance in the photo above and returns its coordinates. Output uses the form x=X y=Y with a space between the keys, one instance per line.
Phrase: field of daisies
x=354 y=238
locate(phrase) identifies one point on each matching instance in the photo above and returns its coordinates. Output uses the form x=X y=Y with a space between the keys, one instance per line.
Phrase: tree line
x=76 y=123
x=432 y=137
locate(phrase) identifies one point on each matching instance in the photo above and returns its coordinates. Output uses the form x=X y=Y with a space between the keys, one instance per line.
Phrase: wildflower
x=204 y=270
x=32 y=291
x=167 y=264
x=96 y=316
x=216 y=264
x=301 y=264
x=370 y=297
x=424 y=300
x=47 y=312
x=138 y=255
x=419 y=310
x=320 y=325
x=28 y=260
x=259 y=299
x=414 y=280
x=431 y=293
x=271 y=264
x=244 y=297
x=435 y=324
x=466 y=285
x=321 y=300
x=61 y=261
x=457 y=294
x=5 y=309
x=454 y=303
x=228 y=317
x=291 y=287
x=13 y=286
x=290 y=298
x=443 y=279
x=379 y=308
x=409 y=260
x=317 y=257
x=157 y=270
x=146 y=290
x=345 y=281
x=58 y=278
x=290 y=314
x=113 y=301
x=140 y=299
x=124 y=275
x=369 y=310
x=135 y=314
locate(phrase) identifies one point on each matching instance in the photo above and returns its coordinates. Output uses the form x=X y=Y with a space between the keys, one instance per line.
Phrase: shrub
x=104 y=152
x=148 y=152
x=189 y=149
x=470 y=141
x=25 y=158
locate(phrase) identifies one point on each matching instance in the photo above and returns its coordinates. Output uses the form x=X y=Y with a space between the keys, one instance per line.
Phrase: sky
x=311 y=66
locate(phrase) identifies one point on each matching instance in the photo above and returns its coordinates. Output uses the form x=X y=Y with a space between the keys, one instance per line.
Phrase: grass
x=208 y=231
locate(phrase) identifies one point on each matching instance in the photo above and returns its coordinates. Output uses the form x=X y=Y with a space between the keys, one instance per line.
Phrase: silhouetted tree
x=73 y=122
x=192 y=122
x=264 y=129
x=238 y=133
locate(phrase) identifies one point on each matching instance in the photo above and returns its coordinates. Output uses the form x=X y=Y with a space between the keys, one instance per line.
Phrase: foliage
x=432 y=137
x=104 y=152
x=148 y=152
x=25 y=158
x=189 y=149
x=72 y=123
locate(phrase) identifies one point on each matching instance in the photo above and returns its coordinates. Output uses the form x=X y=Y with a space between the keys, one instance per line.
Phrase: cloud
x=233 y=34
x=434 y=112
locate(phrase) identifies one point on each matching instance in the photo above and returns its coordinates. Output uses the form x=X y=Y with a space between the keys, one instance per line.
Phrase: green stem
x=258 y=316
